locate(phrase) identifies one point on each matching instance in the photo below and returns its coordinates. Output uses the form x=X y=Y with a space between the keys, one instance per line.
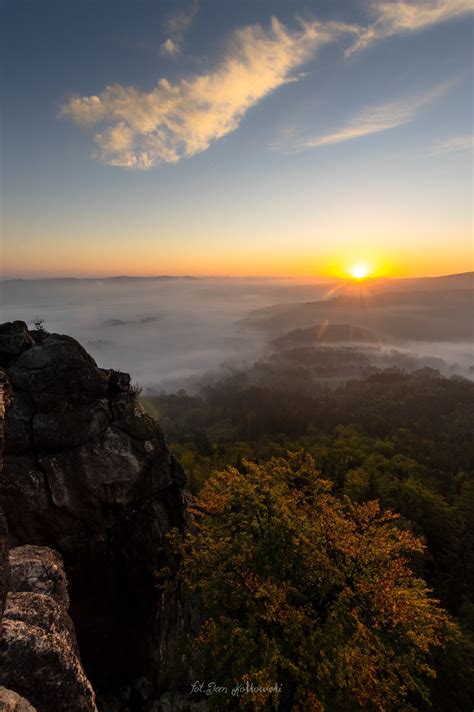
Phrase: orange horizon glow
x=139 y=258
x=274 y=271
x=304 y=267
x=300 y=250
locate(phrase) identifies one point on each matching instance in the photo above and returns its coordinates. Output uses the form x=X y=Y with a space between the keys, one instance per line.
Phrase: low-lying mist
x=162 y=331
x=169 y=332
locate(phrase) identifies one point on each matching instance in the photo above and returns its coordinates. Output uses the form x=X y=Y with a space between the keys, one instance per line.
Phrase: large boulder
x=39 y=570
x=11 y=701
x=87 y=473
x=19 y=434
x=57 y=372
x=4 y=566
x=5 y=402
x=14 y=339
x=64 y=429
x=4 y=561
x=39 y=656
x=42 y=611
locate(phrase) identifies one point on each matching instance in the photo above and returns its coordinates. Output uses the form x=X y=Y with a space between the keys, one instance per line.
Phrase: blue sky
x=209 y=138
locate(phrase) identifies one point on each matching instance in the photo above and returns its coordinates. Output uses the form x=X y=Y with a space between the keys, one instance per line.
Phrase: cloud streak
x=176 y=26
x=379 y=117
x=455 y=144
x=140 y=129
x=393 y=18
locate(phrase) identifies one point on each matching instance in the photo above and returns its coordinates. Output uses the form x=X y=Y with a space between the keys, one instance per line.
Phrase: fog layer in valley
x=169 y=332
x=160 y=330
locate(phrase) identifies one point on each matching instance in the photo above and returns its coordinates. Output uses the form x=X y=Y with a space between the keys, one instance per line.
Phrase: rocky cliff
x=87 y=473
x=40 y=666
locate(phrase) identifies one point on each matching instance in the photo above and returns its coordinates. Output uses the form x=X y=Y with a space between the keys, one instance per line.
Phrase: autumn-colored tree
x=306 y=591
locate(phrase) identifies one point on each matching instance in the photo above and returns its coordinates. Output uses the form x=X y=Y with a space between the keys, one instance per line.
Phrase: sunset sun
x=360 y=270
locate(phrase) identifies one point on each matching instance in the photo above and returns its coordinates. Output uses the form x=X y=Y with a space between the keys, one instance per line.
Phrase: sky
x=288 y=138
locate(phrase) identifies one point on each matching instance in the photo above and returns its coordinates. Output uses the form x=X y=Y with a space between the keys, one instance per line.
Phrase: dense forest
x=392 y=440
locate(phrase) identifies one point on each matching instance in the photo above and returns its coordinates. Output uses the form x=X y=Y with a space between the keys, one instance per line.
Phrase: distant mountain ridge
x=118 y=278
x=461 y=280
x=407 y=315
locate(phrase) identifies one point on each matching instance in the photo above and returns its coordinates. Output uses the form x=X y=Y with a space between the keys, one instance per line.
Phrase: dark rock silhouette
x=15 y=338
x=87 y=473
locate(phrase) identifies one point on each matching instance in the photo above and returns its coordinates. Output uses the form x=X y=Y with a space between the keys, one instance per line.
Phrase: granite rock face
x=39 y=570
x=4 y=567
x=13 y=702
x=40 y=667
x=87 y=473
x=15 y=339
x=5 y=402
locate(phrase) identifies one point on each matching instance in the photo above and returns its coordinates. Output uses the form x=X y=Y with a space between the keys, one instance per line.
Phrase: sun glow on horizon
x=360 y=270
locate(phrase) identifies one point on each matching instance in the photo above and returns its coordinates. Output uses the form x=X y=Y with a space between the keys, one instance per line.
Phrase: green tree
x=307 y=591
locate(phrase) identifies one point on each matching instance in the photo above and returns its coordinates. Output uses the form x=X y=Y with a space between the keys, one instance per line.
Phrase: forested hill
x=430 y=315
x=403 y=439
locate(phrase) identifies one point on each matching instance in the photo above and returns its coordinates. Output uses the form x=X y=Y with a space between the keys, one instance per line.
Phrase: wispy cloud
x=133 y=128
x=455 y=144
x=139 y=129
x=379 y=117
x=176 y=26
x=171 y=47
x=395 y=17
